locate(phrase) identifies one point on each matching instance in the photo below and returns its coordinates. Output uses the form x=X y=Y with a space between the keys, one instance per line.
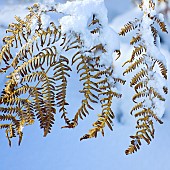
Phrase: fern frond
x=155 y=34
x=140 y=95
x=156 y=94
x=32 y=77
x=146 y=91
x=38 y=105
x=136 y=107
x=107 y=115
x=119 y=80
x=29 y=113
x=134 y=65
x=49 y=100
x=140 y=85
x=138 y=51
x=135 y=39
x=129 y=27
x=61 y=68
x=165 y=89
x=6 y=117
x=89 y=86
x=13 y=101
x=138 y=77
x=160 y=23
x=163 y=69
x=145 y=132
x=35 y=56
x=118 y=52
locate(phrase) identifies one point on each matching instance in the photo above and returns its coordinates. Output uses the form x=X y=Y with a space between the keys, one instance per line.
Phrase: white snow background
x=62 y=150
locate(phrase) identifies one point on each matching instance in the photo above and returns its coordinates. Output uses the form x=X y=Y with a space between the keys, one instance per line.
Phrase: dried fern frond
x=107 y=115
x=61 y=68
x=137 y=78
x=36 y=59
x=134 y=65
x=145 y=81
x=159 y=22
x=135 y=39
x=129 y=27
x=90 y=87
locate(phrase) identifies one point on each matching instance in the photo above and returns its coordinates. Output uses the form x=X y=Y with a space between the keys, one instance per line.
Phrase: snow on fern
x=153 y=54
x=76 y=19
x=150 y=81
x=49 y=40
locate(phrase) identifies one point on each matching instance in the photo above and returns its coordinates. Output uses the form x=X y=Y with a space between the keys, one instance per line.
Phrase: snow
x=77 y=16
x=62 y=149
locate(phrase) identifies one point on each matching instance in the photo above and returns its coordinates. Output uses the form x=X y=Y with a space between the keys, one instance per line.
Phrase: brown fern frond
x=10 y=110
x=140 y=134
x=138 y=77
x=137 y=51
x=134 y=65
x=107 y=115
x=143 y=110
x=4 y=126
x=32 y=77
x=148 y=112
x=47 y=54
x=160 y=23
x=155 y=34
x=35 y=57
x=135 y=145
x=6 y=117
x=135 y=39
x=13 y=101
x=20 y=32
x=136 y=107
x=156 y=94
x=165 y=89
x=29 y=110
x=9 y=98
x=163 y=69
x=48 y=85
x=94 y=25
x=129 y=27
x=61 y=68
x=89 y=86
x=118 y=52
x=38 y=105
x=119 y=80
x=151 y=4
x=140 y=85
x=140 y=95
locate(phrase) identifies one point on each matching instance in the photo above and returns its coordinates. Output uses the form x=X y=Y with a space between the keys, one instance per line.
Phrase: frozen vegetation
x=62 y=148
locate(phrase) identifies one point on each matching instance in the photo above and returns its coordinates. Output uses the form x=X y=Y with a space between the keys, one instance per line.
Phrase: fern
x=37 y=74
x=37 y=60
x=107 y=115
x=144 y=60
